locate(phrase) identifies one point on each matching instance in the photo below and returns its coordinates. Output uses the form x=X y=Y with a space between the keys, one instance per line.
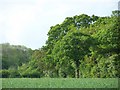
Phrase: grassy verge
x=59 y=83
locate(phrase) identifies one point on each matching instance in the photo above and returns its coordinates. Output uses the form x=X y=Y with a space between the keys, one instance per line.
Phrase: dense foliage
x=13 y=56
x=81 y=46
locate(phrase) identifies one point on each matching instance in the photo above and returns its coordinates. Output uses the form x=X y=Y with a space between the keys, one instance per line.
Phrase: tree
x=36 y=66
x=14 y=55
x=74 y=46
x=59 y=31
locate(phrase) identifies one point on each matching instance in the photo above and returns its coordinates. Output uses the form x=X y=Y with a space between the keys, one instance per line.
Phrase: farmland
x=59 y=83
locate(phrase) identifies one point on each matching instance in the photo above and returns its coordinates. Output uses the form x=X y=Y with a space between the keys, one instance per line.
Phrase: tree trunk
x=77 y=73
x=77 y=69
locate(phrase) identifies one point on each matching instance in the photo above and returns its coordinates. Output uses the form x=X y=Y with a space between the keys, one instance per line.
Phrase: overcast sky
x=26 y=22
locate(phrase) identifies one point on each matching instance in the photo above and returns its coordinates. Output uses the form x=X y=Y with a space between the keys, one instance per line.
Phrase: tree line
x=81 y=46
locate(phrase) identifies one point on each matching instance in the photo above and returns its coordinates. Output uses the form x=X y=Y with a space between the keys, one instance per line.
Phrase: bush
x=5 y=73
x=14 y=74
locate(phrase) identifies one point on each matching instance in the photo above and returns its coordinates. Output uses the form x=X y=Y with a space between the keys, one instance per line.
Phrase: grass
x=59 y=83
x=0 y=84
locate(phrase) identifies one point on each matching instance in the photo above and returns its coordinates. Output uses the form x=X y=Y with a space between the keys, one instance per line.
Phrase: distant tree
x=14 y=55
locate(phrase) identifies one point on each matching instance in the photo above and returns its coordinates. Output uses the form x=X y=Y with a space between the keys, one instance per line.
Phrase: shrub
x=14 y=74
x=5 y=73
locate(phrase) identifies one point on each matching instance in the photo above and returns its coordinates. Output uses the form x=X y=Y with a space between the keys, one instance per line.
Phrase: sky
x=27 y=22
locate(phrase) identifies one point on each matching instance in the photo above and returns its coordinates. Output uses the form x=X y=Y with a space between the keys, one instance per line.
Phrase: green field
x=59 y=83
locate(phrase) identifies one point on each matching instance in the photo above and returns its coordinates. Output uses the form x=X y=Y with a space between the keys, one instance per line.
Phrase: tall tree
x=74 y=46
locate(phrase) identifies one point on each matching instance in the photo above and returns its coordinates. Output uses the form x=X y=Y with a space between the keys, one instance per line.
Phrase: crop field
x=59 y=83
